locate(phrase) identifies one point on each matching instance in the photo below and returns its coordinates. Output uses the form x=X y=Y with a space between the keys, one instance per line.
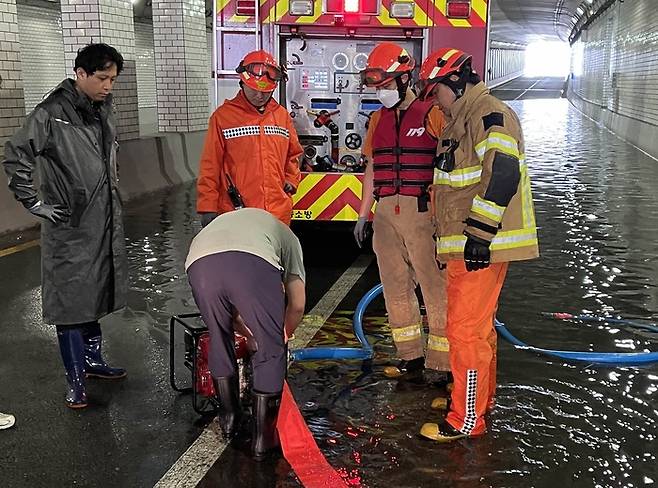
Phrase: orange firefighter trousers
x=405 y=248
x=472 y=304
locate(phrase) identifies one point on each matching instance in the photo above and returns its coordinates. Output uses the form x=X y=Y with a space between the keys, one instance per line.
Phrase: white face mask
x=389 y=98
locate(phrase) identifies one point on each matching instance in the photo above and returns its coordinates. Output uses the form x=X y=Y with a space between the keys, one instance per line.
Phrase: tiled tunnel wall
x=615 y=72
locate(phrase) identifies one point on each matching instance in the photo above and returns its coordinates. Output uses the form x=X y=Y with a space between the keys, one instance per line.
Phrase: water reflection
x=555 y=423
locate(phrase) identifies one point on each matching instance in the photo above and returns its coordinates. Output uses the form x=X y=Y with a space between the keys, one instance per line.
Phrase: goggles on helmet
x=377 y=76
x=274 y=73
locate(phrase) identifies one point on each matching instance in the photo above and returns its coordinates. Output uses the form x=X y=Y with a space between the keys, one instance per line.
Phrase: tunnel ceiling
x=524 y=21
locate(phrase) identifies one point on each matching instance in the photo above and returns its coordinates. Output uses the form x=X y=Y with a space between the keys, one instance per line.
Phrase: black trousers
x=227 y=280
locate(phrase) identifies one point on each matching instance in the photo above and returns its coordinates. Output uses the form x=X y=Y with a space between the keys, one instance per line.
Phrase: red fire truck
x=325 y=43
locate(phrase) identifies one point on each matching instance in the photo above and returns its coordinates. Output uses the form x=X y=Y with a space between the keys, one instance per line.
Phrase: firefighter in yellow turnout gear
x=485 y=220
x=400 y=146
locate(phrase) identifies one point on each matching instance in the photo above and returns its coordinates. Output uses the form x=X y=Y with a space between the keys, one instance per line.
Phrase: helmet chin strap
x=459 y=87
x=402 y=89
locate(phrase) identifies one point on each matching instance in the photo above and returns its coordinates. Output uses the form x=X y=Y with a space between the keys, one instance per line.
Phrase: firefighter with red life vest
x=485 y=219
x=400 y=145
x=251 y=147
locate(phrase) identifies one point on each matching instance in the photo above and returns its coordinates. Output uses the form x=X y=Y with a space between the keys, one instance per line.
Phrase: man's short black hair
x=98 y=57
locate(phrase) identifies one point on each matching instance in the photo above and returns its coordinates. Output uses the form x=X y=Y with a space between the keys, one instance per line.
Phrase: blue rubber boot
x=95 y=365
x=71 y=346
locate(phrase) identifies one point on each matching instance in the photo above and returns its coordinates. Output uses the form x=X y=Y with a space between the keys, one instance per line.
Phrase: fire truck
x=325 y=44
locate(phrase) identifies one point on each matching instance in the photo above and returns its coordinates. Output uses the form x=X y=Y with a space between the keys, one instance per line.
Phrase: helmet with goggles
x=260 y=71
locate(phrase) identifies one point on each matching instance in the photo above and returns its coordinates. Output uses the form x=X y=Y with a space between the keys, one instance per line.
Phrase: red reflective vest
x=403 y=151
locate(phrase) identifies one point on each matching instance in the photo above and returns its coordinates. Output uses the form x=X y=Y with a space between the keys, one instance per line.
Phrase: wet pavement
x=527 y=88
x=555 y=423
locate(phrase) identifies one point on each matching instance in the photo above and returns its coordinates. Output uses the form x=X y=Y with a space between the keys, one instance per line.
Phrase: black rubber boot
x=266 y=412
x=95 y=365
x=227 y=390
x=71 y=346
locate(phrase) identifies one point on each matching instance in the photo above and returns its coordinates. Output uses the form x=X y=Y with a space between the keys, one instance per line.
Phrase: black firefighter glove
x=54 y=213
x=476 y=253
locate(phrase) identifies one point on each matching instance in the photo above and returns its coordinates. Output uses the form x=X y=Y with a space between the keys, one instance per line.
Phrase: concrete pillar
x=111 y=22
x=181 y=64
x=12 y=99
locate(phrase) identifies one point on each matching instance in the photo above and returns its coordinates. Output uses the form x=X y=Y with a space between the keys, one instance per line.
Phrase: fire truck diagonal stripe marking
x=343 y=207
x=327 y=185
x=436 y=14
x=330 y=195
x=221 y=5
x=480 y=9
x=310 y=189
x=193 y=465
x=277 y=11
x=346 y=214
x=421 y=18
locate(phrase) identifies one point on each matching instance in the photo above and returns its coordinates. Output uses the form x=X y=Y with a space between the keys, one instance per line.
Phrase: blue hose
x=366 y=352
x=329 y=353
x=611 y=358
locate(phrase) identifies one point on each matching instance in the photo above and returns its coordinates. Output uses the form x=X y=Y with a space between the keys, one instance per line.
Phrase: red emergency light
x=458 y=9
x=365 y=7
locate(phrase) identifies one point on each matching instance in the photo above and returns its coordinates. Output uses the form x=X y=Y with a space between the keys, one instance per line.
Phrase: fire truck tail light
x=403 y=10
x=245 y=8
x=458 y=9
x=301 y=7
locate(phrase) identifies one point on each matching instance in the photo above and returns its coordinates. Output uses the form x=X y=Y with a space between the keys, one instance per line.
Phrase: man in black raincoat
x=71 y=138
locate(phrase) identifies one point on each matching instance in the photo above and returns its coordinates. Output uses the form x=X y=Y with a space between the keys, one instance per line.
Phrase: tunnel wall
x=614 y=75
x=145 y=165
x=503 y=64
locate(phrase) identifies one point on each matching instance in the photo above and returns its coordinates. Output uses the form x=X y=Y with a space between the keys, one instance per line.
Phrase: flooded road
x=555 y=423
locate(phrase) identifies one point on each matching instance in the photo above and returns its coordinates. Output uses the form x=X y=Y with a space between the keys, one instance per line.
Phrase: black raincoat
x=73 y=145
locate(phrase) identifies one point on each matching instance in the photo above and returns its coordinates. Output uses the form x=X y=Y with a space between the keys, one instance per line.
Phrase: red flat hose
x=300 y=449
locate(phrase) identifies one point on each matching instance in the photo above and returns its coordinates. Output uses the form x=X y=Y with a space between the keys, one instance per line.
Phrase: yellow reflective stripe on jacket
x=459 y=178
x=438 y=343
x=511 y=239
x=527 y=206
x=409 y=333
x=497 y=140
x=487 y=209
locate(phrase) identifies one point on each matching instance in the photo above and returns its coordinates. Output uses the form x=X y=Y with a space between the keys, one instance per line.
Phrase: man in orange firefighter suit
x=485 y=219
x=400 y=145
x=251 y=145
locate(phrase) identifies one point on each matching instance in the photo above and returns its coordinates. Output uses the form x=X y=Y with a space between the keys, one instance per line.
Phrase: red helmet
x=260 y=71
x=438 y=66
x=386 y=61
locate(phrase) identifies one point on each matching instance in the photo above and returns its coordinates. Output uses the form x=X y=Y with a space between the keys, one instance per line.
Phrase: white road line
x=528 y=89
x=193 y=465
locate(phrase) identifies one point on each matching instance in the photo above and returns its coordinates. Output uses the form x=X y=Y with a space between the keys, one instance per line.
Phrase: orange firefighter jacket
x=259 y=152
